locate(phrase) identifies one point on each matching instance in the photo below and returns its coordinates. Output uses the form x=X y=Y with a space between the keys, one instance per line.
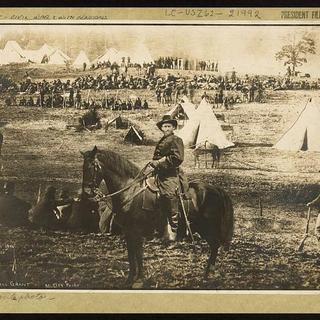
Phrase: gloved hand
x=154 y=163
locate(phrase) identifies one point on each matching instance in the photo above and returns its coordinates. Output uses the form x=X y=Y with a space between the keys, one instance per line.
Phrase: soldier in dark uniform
x=168 y=156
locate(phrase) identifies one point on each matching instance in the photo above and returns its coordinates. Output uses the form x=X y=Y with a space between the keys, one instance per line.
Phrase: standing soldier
x=71 y=97
x=168 y=156
x=78 y=99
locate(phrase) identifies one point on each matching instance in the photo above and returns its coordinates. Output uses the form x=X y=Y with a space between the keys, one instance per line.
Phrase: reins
x=138 y=178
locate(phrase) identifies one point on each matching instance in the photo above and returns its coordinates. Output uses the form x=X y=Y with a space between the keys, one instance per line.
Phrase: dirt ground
x=38 y=151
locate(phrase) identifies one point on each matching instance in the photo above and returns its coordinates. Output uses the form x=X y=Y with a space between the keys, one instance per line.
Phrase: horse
x=84 y=215
x=13 y=211
x=211 y=213
x=214 y=151
x=45 y=212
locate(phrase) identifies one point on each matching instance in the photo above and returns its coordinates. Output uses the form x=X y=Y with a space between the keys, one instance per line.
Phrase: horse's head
x=92 y=171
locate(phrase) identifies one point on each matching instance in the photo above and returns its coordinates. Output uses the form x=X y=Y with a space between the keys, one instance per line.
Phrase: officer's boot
x=169 y=211
x=173 y=216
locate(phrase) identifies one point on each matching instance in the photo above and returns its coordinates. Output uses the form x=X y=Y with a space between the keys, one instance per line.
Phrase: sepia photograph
x=159 y=157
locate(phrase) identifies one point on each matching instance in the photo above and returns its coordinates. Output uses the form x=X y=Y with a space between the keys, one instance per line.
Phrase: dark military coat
x=170 y=152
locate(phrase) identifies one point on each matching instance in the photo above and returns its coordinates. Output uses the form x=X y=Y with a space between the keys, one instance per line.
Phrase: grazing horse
x=215 y=153
x=211 y=210
x=84 y=215
x=44 y=213
x=13 y=211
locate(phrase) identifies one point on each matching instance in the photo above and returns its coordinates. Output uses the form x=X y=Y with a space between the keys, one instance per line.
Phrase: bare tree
x=295 y=53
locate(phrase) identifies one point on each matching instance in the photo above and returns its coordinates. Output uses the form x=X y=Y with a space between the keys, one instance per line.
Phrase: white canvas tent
x=210 y=129
x=186 y=108
x=45 y=51
x=304 y=133
x=81 y=59
x=12 y=53
x=112 y=55
x=204 y=129
x=58 y=57
x=33 y=55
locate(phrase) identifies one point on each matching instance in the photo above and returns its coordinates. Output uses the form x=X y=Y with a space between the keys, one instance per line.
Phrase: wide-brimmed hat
x=167 y=119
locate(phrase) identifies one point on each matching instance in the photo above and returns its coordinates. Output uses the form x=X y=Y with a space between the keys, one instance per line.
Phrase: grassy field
x=39 y=150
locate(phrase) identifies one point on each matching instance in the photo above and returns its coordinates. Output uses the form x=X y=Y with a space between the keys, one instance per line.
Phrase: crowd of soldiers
x=59 y=101
x=168 y=89
x=167 y=63
x=185 y=64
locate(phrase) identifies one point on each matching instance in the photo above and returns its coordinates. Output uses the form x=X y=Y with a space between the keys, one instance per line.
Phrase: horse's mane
x=118 y=163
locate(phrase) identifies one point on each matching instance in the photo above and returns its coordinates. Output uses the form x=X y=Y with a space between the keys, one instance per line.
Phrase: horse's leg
x=131 y=257
x=212 y=260
x=138 y=281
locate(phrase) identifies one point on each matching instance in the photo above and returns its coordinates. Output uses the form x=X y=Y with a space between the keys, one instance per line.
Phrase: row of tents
x=202 y=129
x=13 y=53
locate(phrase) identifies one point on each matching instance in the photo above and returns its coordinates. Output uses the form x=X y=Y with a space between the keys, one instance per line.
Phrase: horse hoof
x=128 y=283
x=138 y=284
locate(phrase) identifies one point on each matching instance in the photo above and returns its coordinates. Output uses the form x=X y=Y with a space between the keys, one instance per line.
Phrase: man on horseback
x=168 y=156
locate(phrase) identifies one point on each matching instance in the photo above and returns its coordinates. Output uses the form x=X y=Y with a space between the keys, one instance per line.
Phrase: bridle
x=98 y=195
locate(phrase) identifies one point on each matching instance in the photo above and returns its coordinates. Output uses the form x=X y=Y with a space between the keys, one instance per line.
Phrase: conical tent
x=110 y=55
x=186 y=107
x=46 y=49
x=210 y=129
x=304 y=134
x=203 y=129
x=81 y=59
x=188 y=133
x=58 y=57
x=12 y=53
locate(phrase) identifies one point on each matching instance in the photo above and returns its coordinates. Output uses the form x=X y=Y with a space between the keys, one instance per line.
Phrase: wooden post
x=260 y=206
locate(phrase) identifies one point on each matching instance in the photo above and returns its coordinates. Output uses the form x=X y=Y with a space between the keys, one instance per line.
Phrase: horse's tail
x=227 y=220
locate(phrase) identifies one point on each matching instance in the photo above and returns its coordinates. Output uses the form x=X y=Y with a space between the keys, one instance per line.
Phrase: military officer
x=168 y=156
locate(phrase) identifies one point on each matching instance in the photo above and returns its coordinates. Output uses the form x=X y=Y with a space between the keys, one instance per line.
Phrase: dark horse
x=211 y=214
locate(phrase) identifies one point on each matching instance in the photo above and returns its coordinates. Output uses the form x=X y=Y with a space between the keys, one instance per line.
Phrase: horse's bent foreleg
x=212 y=260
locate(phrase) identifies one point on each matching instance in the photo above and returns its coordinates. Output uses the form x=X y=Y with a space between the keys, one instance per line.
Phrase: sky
x=247 y=49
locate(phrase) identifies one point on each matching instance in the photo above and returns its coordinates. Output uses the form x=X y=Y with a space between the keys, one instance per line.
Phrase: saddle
x=152 y=193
